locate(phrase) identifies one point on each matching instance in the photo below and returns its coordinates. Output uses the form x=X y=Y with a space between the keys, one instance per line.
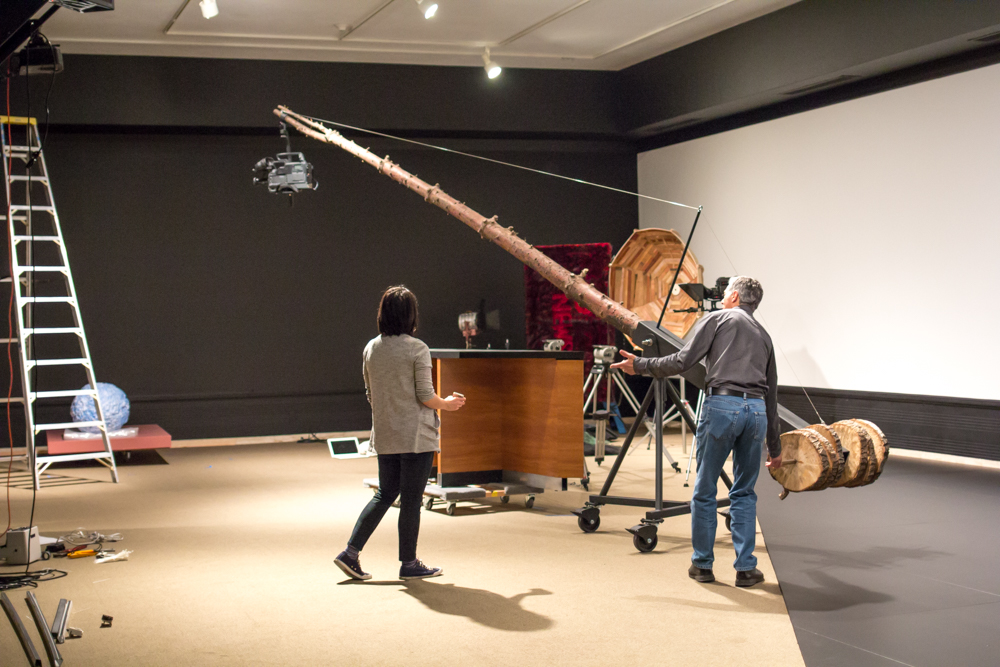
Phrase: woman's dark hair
x=397 y=312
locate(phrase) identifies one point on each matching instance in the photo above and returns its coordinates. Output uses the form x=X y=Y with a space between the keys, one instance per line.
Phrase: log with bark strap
x=574 y=286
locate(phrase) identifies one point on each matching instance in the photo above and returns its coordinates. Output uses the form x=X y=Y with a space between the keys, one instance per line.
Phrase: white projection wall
x=873 y=225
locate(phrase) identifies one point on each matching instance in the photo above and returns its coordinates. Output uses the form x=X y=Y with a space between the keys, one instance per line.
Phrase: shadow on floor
x=863 y=559
x=23 y=480
x=741 y=600
x=830 y=595
x=478 y=605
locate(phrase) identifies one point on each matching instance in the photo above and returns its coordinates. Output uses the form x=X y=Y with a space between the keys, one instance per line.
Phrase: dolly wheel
x=644 y=545
x=505 y=499
x=429 y=502
x=589 y=526
x=450 y=509
x=529 y=502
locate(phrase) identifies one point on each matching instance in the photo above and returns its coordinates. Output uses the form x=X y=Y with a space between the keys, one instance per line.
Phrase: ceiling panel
x=576 y=34
x=471 y=22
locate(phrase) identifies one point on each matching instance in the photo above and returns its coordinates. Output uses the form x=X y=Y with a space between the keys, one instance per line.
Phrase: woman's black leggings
x=403 y=475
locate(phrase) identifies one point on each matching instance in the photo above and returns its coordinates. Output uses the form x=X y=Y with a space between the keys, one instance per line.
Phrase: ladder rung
x=17 y=149
x=47 y=299
x=61 y=393
x=56 y=239
x=31 y=207
x=53 y=330
x=12 y=399
x=74 y=457
x=54 y=427
x=58 y=362
x=4 y=341
x=25 y=177
x=40 y=269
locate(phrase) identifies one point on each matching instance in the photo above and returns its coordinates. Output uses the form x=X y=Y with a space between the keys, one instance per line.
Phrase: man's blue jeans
x=737 y=424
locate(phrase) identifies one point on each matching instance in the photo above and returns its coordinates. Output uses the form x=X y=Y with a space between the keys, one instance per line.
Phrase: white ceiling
x=560 y=34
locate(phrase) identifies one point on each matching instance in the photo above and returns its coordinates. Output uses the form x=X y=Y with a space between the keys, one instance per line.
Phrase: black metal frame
x=661 y=509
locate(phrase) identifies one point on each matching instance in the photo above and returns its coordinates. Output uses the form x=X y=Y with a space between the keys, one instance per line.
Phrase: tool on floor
x=51 y=650
x=58 y=629
x=22 y=633
x=32 y=221
x=106 y=620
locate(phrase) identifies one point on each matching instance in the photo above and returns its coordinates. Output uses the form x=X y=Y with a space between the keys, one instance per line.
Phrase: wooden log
x=834 y=450
x=861 y=462
x=880 y=442
x=574 y=286
x=804 y=463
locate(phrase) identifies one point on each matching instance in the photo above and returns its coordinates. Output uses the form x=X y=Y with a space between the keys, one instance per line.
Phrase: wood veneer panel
x=543 y=417
x=471 y=438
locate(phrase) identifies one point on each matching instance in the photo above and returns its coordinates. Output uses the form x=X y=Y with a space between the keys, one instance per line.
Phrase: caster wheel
x=588 y=526
x=644 y=545
x=451 y=509
x=505 y=499
x=429 y=502
x=529 y=502
x=729 y=522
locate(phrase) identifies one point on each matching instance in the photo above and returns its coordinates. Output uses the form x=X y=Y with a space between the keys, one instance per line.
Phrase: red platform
x=150 y=436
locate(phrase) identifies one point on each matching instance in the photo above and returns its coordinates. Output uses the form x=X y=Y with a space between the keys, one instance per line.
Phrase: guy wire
x=507 y=164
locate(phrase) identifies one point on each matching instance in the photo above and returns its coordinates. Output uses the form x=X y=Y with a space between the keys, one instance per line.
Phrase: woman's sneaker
x=419 y=571
x=351 y=566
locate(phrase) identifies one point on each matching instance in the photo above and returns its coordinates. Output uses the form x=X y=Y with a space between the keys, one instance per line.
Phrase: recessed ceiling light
x=209 y=8
x=427 y=7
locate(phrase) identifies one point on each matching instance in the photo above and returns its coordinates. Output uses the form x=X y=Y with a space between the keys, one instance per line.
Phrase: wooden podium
x=522 y=422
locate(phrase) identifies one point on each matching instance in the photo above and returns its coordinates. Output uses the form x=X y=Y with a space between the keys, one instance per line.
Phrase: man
x=740 y=411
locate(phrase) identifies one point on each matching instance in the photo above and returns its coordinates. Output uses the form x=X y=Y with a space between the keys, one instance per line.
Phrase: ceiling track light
x=427 y=7
x=209 y=8
x=492 y=69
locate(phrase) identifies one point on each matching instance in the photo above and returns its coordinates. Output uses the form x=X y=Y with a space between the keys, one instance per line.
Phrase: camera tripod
x=604 y=356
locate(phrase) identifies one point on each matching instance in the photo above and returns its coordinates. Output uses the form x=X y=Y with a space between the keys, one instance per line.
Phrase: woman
x=397 y=369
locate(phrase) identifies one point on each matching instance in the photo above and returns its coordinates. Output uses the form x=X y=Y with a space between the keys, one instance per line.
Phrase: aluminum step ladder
x=33 y=230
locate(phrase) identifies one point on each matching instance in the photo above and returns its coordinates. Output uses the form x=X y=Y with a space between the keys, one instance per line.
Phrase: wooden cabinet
x=523 y=415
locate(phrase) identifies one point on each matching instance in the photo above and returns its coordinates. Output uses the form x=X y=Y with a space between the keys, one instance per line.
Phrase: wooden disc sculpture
x=848 y=453
x=641 y=273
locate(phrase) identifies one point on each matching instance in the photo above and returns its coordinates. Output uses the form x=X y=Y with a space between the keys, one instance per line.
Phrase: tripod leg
x=694 y=440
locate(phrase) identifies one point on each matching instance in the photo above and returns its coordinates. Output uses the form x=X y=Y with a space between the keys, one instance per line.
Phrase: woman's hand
x=454 y=402
x=627 y=364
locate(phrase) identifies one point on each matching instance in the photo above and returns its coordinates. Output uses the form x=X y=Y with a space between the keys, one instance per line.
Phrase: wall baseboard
x=956 y=427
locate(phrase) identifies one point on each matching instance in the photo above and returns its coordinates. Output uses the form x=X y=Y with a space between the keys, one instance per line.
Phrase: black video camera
x=700 y=293
x=287 y=173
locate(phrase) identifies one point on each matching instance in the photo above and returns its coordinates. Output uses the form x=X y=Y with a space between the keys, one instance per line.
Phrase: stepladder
x=50 y=359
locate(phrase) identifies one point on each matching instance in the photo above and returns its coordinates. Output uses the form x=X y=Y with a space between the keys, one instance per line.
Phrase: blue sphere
x=114 y=404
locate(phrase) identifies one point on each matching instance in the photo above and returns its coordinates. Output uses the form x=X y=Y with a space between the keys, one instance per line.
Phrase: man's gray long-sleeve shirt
x=739 y=355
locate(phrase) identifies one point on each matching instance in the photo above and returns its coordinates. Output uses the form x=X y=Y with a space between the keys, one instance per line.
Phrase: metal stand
x=602 y=370
x=644 y=534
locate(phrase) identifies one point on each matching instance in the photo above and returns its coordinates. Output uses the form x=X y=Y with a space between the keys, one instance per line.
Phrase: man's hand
x=626 y=365
x=774 y=463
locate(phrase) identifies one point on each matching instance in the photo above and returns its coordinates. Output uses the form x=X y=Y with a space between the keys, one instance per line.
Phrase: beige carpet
x=232 y=565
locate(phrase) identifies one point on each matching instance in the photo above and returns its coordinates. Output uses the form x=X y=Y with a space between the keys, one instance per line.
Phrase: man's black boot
x=700 y=574
x=748 y=578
